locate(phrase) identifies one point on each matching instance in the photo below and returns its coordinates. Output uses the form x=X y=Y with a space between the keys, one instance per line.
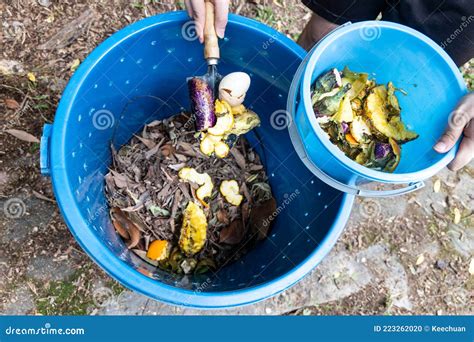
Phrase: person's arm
x=196 y=10
x=460 y=122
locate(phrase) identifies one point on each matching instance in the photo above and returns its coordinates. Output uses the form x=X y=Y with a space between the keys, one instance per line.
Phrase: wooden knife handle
x=211 y=43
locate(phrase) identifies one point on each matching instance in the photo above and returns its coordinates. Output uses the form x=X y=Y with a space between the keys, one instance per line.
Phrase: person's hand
x=460 y=121
x=196 y=10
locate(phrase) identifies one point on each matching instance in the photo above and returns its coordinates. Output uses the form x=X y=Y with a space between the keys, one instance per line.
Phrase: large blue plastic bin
x=138 y=75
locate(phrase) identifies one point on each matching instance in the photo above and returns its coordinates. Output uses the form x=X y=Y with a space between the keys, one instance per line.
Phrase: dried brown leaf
x=125 y=227
x=232 y=234
x=261 y=218
x=134 y=236
x=11 y=104
x=222 y=216
x=186 y=149
x=119 y=223
x=239 y=158
x=120 y=180
x=150 y=144
x=22 y=135
x=167 y=150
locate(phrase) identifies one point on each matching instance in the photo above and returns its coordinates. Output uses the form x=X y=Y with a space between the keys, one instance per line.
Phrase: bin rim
x=110 y=262
x=360 y=170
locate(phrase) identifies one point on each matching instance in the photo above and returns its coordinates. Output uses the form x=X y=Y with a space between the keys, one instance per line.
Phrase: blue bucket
x=138 y=75
x=388 y=52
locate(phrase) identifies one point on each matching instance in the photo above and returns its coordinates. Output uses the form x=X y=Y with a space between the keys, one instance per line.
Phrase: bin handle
x=301 y=150
x=44 y=150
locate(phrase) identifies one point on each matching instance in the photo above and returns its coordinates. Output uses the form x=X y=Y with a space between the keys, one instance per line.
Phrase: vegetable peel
x=203 y=179
x=194 y=229
x=230 y=190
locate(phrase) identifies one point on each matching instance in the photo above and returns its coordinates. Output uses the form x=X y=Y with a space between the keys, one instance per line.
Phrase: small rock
x=471 y=267
x=44 y=3
x=437 y=185
x=268 y=311
x=9 y=67
x=307 y=312
x=457 y=216
x=420 y=260
x=441 y=264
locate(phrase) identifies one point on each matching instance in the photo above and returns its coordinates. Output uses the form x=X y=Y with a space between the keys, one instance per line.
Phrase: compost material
x=182 y=210
x=361 y=117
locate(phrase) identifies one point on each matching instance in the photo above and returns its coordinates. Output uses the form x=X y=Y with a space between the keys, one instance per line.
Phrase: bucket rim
x=109 y=261
x=346 y=162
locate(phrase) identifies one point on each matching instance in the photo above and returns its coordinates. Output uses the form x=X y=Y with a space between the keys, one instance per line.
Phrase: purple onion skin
x=345 y=127
x=202 y=103
x=381 y=150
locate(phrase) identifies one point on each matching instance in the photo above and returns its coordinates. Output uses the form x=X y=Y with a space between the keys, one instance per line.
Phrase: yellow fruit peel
x=230 y=190
x=194 y=229
x=221 y=149
x=222 y=108
x=203 y=179
x=223 y=125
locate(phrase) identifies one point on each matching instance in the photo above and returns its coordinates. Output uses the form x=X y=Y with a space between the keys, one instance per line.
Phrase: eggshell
x=233 y=88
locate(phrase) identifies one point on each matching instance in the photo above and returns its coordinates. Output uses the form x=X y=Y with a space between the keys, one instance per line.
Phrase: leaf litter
x=149 y=199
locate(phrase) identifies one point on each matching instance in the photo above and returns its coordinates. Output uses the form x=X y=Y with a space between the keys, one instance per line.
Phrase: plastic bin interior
x=138 y=75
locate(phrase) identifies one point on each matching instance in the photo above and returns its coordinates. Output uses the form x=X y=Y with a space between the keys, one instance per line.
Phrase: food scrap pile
x=361 y=117
x=189 y=201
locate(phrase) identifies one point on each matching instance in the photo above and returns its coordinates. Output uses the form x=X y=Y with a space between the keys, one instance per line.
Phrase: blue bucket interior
x=138 y=76
x=414 y=63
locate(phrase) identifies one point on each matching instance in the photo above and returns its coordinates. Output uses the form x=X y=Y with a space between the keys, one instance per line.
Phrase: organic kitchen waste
x=361 y=117
x=188 y=194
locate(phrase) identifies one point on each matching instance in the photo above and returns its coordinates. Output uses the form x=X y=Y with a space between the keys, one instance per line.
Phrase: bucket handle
x=44 y=150
x=301 y=151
